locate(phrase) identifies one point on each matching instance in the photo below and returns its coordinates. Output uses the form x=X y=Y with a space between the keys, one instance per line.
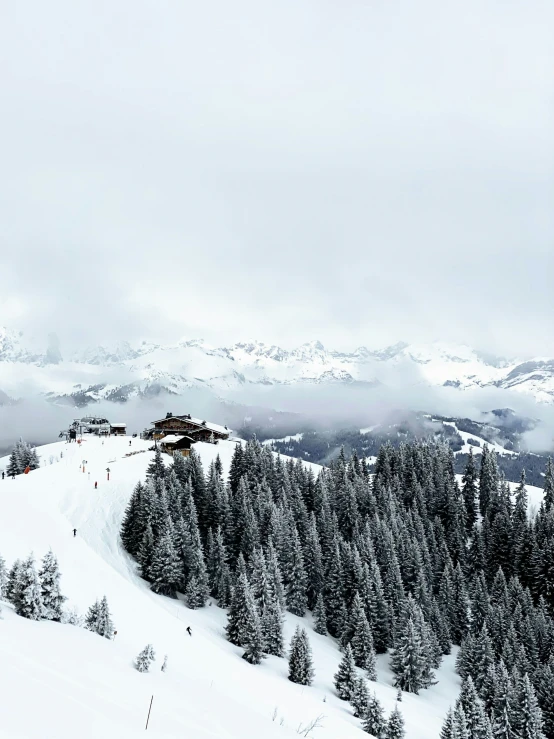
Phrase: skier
x=3 y=474
x=96 y=486
x=74 y=532
x=129 y=443
x=189 y=632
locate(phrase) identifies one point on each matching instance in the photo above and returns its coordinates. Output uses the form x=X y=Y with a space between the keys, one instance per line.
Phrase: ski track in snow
x=60 y=681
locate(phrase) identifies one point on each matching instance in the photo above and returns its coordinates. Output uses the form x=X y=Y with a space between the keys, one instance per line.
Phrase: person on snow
x=189 y=632
x=3 y=473
x=74 y=532
x=96 y=486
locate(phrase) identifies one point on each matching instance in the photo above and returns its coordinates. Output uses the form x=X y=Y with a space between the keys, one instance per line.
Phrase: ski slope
x=60 y=682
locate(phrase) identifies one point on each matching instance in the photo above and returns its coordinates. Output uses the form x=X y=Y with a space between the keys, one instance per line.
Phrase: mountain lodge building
x=178 y=433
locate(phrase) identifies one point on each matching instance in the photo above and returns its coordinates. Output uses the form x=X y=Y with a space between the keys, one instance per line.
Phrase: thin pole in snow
x=148 y=718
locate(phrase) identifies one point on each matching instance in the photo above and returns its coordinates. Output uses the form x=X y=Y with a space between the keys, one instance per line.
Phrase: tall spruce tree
x=29 y=602
x=52 y=598
x=346 y=676
x=300 y=658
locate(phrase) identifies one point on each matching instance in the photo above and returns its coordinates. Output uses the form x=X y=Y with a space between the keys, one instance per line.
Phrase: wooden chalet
x=172 y=444
x=190 y=427
x=118 y=429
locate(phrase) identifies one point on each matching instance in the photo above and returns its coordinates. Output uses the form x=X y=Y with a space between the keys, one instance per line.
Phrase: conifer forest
x=406 y=562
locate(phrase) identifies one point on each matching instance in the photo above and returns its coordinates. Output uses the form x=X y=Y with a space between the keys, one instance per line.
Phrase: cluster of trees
x=406 y=560
x=36 y=595
x=22 y=456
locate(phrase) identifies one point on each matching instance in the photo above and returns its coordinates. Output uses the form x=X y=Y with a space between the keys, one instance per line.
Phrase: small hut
x=172 y=444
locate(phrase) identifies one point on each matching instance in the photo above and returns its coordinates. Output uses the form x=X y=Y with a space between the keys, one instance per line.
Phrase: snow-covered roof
x=118 y=425
x=173 y=439
x=196 y=421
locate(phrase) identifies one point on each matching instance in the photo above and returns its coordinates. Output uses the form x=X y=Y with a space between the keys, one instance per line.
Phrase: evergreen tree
x=164 y=664
x=13 y=584
x=52 y=599
x=98 y=619
x=272 y=628
x=359 y=698
x=409 y=661
x=469 y=491
x=529 y=720
x=448 y=730
x=29 y=595
x=253 y=640
x=395 y=725
x=156 y=468
x=296 y=588
x=345 y=677
x=3 y=578
x=145 y=659
x=549 y=486
x=166 y=570
x=300 y=658
x=240 y=613
x=320 y=617
x=374 y=722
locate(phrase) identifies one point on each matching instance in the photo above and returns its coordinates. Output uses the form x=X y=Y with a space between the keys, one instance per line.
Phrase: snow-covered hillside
x=60 y=682
x=123 y=371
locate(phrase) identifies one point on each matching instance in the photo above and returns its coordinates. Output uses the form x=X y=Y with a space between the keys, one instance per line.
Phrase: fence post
x=148 y=718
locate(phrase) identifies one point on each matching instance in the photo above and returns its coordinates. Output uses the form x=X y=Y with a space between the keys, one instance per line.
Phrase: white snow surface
x=61 y=682
x=467 y=447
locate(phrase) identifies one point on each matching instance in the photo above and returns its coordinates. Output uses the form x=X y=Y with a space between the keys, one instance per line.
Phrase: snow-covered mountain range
x=123 y=371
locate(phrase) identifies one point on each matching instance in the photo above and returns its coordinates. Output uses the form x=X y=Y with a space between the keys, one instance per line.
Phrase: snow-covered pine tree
x=300 y=658
x=272 y=628
x=469 y=490
x=98 y=619
x=13 y=584
x=238 y=614
x=395 y=725
x=156 y=468
x=296 y=589
x=359 y=699
x=362 y=646
x=374 y=722
x=529 y=720
x=408 y=661
x=133 y=525
x=15 y=462
x=320 y=617
x=346 y=676
x=448 y=730
x=145 y=658
x=166 y=568
x=253 y=641
x=29 y=596
x=477 y=722
x=3 y=578
x=146 y=552
x=52 y=597
x=549 y=486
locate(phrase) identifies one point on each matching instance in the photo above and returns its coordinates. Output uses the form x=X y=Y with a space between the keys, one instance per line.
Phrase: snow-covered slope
x=61 y=682
x=123 y=371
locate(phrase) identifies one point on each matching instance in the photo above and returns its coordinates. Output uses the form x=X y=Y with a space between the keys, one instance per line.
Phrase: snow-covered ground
x=61 y=682
x=467 y=447
x=285 y=439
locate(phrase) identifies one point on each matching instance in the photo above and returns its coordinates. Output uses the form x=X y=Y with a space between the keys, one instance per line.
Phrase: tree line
x=405 y=561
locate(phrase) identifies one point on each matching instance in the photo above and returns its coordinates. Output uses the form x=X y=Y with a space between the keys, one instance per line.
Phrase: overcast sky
x=358 y=172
